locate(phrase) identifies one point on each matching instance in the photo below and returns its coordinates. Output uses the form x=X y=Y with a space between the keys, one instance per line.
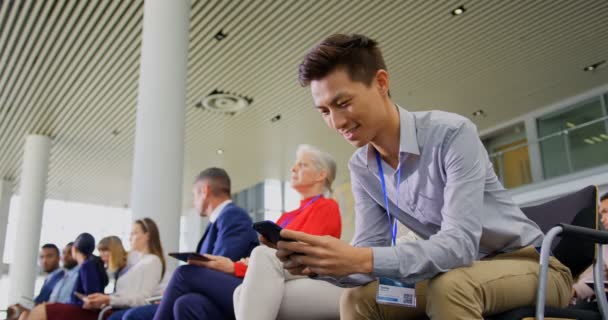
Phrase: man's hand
x=217 y=263
x=96 y=301
x=322 y=255
x=244 y=261
x=267 y=243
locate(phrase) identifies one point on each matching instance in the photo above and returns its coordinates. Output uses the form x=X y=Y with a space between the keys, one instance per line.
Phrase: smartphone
x=185 y=256
x=270 y=230
x=79 y=295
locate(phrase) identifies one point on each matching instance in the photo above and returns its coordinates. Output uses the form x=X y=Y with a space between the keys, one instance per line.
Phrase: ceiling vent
x=224 y=102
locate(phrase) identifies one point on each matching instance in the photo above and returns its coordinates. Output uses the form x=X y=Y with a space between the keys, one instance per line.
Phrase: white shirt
x=218 y=210
x=138 y=283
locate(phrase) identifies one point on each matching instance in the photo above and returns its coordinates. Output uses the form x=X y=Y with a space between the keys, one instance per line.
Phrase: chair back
x=580 y=209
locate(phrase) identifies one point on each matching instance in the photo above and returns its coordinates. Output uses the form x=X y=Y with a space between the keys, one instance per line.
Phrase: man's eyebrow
x=336 y=98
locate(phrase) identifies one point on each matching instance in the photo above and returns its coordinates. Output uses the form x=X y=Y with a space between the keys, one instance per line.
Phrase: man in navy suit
x=229 y=234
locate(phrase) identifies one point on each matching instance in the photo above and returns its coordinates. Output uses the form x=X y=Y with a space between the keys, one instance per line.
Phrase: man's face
x=49 y=260
x=604 y=213
x=199 y=197
x=66 y=257
x=350 y=107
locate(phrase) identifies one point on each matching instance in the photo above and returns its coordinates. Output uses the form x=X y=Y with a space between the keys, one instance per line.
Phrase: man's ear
x=382 y=82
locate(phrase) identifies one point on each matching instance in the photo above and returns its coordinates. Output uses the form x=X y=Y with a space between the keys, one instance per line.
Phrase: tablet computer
x=185 y=256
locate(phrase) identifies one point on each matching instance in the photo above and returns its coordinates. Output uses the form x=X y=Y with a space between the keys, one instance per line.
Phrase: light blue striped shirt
x=62 y=292
x=448 y=194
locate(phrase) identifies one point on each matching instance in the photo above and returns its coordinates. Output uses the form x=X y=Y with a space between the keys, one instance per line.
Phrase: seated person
x=91 y=279
x=312 y=176
x=228 y=234
x=49 y=263
x=583 y=295
x=136 y=284
x=114 y=257
x=430 y=171
x=270 y=292
x=63 y=290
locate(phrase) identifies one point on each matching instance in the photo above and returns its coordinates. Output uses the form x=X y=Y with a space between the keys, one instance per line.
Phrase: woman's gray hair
x=322 y=161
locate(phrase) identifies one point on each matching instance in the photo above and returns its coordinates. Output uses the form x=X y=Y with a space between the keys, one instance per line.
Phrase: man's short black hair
x=51 y=246
x=218 y=180
x=604 y=197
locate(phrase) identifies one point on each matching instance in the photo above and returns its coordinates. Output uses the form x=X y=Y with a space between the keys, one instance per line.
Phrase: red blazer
x=321 y=217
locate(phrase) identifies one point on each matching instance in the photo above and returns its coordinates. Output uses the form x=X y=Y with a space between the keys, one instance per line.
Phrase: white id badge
x=397 y=293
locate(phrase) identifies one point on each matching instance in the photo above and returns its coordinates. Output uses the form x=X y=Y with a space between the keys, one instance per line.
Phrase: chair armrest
x=103 y=312
x=582 y=233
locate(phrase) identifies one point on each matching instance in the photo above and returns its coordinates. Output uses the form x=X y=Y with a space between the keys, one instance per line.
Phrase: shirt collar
x=408 y=139
x=218 y=210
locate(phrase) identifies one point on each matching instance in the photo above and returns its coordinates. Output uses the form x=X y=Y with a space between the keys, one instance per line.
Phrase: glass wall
x=264 y=201
x=574 y=138
x=569 y=140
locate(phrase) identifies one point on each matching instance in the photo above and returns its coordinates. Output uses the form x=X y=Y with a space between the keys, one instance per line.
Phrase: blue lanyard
x=295 y=214
x=391 y=220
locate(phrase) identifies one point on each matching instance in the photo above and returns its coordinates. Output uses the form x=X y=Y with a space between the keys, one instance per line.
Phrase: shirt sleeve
x=457 y=242
x=240 y=269
x=143 y=281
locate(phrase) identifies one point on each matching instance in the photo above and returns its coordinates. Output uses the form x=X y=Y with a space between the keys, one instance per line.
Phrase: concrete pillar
x=6 y=192
x=159 y=136
x=32 y=193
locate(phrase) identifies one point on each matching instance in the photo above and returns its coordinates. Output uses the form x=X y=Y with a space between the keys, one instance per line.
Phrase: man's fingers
x=267 y=243
x=197 y=263
x=302 y=236
x=300 y=247
x=283 y=255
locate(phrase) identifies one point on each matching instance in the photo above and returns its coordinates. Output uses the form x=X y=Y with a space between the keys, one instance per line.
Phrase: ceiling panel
x=69 y=69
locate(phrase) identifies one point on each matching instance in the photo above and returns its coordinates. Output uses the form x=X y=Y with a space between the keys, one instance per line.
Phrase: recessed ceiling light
x=589 y=141
x=220 y=35
x=570 y=125
x=220 y=152
x=597 y=139
x=604 y=136
x=276 y=118
x=479 y=113
x=594 y=66
x=458 y=11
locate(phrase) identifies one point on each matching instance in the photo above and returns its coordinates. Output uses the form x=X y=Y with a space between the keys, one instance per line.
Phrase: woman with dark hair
x=139 y=282
x=91 y=279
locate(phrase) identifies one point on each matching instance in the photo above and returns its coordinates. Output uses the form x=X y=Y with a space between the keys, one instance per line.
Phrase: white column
x=6 y=192
x=159 y=136
x=32 y=193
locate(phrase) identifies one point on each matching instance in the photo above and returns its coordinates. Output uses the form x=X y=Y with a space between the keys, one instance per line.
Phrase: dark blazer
x=231 y=235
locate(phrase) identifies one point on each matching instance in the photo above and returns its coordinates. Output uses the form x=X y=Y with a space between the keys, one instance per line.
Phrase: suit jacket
x=231 y=235
x=49 y=284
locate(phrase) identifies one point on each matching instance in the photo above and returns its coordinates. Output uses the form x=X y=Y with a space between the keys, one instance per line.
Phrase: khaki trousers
x=487 y=287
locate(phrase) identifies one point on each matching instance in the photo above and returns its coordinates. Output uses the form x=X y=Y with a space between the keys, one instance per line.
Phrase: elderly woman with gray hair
x=268 y=291
x=266 y=284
